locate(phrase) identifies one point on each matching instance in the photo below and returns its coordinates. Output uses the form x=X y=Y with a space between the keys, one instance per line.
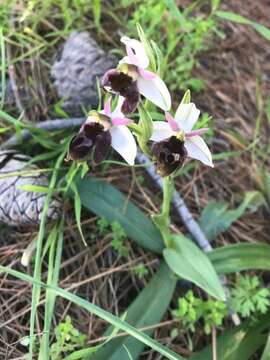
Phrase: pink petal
x=196 y=132
x=107 y=107
x=121 y=121
x=148 y=75
x=173 y=124
x=132 y=57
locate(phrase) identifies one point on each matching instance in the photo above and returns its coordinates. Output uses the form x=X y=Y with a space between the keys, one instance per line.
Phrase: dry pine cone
x=76 y=72
x=17 y=206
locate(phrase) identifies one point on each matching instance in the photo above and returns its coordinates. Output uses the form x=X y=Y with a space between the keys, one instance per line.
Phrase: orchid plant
x=169 y=143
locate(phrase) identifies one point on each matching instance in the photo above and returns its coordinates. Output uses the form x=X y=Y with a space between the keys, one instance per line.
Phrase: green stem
x=162 y=220
x=167 y=197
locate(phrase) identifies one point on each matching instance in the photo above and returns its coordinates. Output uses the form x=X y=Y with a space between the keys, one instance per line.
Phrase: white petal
x=124 y=143
x=161 y=131
x=117 y=111
x=197 y=149
x=186 y=116
x=139 y=50
x=156 y=91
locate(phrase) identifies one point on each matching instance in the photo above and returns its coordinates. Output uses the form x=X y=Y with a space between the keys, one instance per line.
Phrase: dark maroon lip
x=125 y=86
x=92 y=140
x=169 y=155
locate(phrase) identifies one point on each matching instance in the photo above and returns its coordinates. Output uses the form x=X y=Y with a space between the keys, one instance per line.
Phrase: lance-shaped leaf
x=146 y=310
x=187 y=261
x=239 y=257
x=106 y=201
x=216 y=217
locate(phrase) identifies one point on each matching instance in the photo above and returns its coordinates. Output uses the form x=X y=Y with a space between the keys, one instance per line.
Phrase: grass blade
x=37 y=269
x=3 y=67
x=52 y=279
x=261 y=29
x=103 y=314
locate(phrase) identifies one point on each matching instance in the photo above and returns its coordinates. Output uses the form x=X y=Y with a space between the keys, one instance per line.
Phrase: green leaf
x=216 y=217
x=189 y=262
x=176 y=13
x=265 y=179
x=239 y=257
x=215 y=5
x=103 y=314
x=34 y=188
x=262 y=30
x=96 y=8
x=227 y=15
x=78 y=208
x=146 y=129
x=186 y=97
x=239 y=343
x=106 y=201
x=154 y=300
x=83 y=353
x=147 y=47
x=266 y=351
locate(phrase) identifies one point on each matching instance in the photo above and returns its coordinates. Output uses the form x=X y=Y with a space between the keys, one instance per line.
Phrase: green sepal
x=145 y=127
x=186 y=98
x=148 y=48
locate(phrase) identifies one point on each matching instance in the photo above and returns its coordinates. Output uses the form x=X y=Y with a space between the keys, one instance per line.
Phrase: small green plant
x=140 y=270
x=193 y=41
x=103 y=226
x=214 y=313
x=68 y=339
x=249 y=298
x=191 y=309
x=119 y=235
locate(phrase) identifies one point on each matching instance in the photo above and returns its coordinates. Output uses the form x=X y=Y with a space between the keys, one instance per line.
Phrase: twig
x=214 y=343
x=12 y=78
x=52 y=125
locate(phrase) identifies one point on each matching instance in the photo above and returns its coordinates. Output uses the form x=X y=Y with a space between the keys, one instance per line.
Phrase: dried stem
x=214 y=343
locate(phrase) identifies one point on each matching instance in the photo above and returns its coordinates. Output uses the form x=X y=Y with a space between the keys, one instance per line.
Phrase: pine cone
x=75 y=74
x=17 y=206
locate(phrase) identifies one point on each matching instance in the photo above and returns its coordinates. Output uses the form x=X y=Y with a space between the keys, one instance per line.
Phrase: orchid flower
x=132 y=78
x=175 y=140
x=101 y=131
